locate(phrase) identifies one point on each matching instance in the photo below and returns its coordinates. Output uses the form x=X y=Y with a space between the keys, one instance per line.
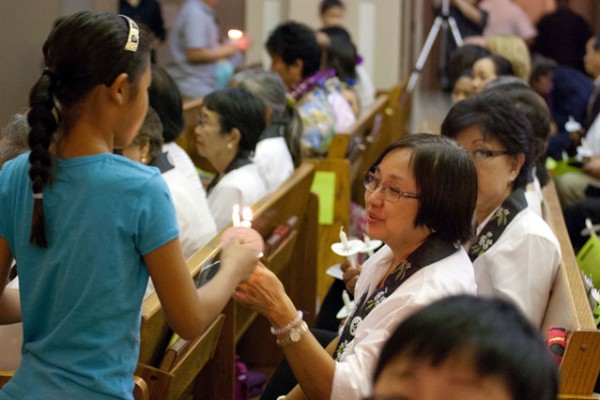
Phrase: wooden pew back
x=205 y=366
x=568 y=307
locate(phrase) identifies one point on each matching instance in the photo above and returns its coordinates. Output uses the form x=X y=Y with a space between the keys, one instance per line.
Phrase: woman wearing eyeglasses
x=515 y=253
x=417 y=208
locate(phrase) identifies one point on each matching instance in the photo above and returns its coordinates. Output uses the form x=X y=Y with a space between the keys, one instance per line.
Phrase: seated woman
x=515 y=253
x=536 y=111
x=195 y=221
x=229 y=126
x=471 y=358
x=278 y=149
x=165 y=98
x=488 y=68
x=416 y=208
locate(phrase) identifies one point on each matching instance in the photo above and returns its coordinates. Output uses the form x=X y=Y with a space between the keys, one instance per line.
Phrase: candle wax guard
x=352 y=247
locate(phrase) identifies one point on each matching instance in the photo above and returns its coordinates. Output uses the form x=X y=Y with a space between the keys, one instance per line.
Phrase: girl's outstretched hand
x=239 y=258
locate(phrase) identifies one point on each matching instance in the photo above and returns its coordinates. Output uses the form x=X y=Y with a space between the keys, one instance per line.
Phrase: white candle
x=235 y=34
x=246 y=217
x=343 y=238
x=368 y=244
x=235 y=216
x=347 y=301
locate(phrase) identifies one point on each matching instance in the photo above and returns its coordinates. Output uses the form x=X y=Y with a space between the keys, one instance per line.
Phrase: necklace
x=306 y=85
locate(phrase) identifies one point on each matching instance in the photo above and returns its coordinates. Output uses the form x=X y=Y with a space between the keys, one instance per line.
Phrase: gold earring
x=143 y=159
x=229 y=146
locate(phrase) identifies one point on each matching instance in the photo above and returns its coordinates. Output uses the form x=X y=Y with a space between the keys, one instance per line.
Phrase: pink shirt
x=507 y=18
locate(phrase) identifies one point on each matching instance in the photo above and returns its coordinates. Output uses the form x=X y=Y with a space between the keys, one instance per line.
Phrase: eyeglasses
x=391 y=193
x=482 y=154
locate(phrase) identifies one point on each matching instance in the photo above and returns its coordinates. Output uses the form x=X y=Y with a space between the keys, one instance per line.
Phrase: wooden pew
x=140 y=389
x=294 y=261
x=568 y=307
x=204 y=367
x=349 y=155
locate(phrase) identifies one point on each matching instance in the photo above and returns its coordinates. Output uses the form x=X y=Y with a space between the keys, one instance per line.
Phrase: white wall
x=24 y=25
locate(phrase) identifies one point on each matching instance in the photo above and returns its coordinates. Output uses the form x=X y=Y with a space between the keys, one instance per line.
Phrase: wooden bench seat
x=568 y=307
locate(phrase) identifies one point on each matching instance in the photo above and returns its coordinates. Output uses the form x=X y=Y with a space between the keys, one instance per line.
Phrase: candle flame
x=235 y=34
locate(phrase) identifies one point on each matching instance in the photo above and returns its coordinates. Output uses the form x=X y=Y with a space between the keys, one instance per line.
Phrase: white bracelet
x=294 y=336
x=288 y=327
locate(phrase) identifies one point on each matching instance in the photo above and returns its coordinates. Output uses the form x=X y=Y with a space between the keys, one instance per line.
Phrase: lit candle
x=246 y=217
x=235 y=34
x=343 y=238
x=235 y=216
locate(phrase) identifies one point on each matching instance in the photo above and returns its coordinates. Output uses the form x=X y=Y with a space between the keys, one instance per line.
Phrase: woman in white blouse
x=415 y=207
x=515 y=254
x=229 y=125
x=278 y=148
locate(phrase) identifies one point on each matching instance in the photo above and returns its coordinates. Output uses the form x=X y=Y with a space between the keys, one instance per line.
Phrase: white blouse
x=274 y=162
x=449 y=276
x=243 y=186
x=182 y=161
x=196 y=224
x=521 y=266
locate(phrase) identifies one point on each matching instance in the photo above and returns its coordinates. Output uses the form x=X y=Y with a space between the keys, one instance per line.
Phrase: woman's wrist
x=282 y=316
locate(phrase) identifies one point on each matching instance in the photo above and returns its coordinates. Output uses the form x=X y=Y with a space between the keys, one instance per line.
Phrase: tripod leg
x=455 y=31
x=414 y=76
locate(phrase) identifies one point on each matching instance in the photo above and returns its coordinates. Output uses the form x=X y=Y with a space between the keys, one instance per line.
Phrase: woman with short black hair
x=415 y=206
x=516 y=254
x=229 y=126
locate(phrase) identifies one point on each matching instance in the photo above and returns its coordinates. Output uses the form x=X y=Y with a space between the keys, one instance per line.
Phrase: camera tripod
x=442 y=21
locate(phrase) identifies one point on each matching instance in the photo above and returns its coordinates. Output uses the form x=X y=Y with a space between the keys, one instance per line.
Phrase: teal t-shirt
x=81 y=297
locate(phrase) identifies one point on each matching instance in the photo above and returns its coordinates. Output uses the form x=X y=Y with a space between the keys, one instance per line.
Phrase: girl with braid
x=100 y=223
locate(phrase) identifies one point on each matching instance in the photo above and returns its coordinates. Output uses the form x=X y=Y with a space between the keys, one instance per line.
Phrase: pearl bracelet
x=286 y=329
x=294 y=336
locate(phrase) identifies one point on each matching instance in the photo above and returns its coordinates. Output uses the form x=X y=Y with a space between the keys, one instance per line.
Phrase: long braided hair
x=83 y=51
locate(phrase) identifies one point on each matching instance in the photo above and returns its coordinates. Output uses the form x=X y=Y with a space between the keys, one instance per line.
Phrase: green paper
x=324 y=187
x=588 y=259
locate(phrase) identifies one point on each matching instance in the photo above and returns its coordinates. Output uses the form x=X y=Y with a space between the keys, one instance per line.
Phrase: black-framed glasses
x=482 y=154
x=391 y=192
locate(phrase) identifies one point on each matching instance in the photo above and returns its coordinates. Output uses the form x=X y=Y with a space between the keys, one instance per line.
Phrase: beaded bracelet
x=288 y=327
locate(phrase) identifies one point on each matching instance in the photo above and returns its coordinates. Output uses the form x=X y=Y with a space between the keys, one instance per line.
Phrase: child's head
x=295 y=53
x=488 y=68
x=467 y=348
x=332 y=12
x=146 y=146
x=463 y=86
x=90 y=57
